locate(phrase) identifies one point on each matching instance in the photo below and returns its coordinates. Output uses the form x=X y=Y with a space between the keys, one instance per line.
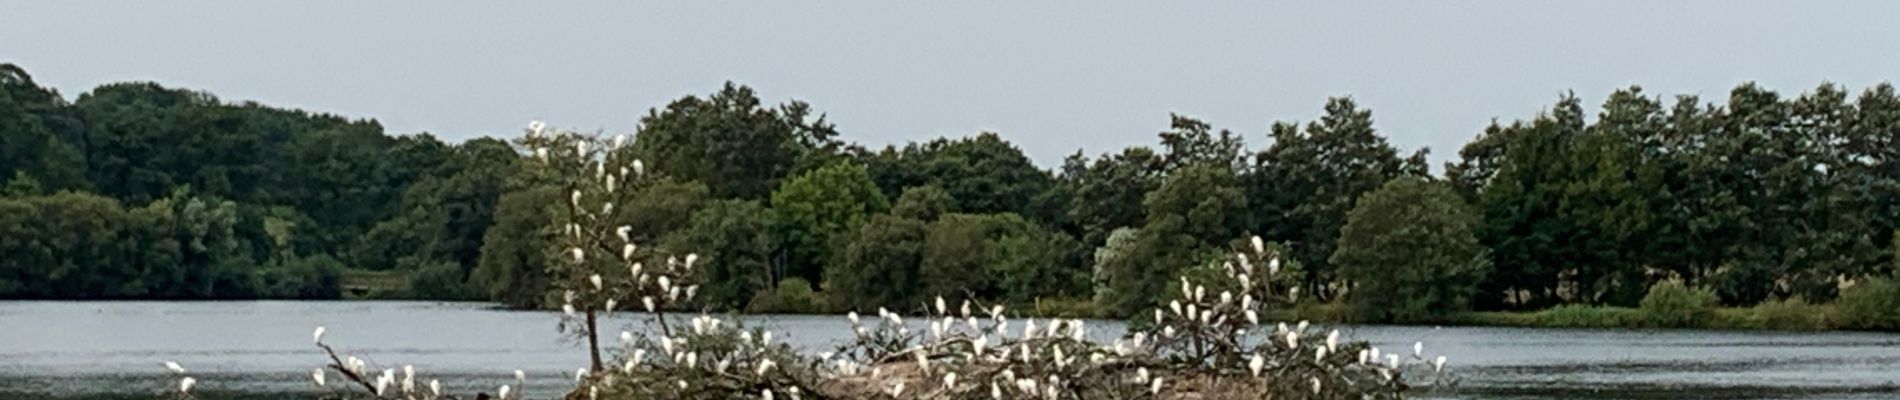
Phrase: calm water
x=248 y=349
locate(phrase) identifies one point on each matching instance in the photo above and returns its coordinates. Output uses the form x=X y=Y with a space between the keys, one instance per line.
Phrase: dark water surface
x=263 y=349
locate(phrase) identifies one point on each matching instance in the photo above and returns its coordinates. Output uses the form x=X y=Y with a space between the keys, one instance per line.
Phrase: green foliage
x=39 y=133
x=1106 y=193
x=1671 y=304
x=66 y=245
x=77 y=245
x=515 y=249
x=444 y=280
x=1787 y=314
x=1410 y=252
x=1030 y=264
x=1563 y=316
x=922 y=203
x=1304 y=184
x=730 y=142
x=956 y=257
x=735 y=245
x=663 y=207
x=877 y=264
x=984 y=174
x=138 y=190
x=22 y=185
x=1871 y=305
x=813 y=207
x=1762 y=197
x=1188 y=217
x=314 y=277
x=445 y=214
x=792 y=296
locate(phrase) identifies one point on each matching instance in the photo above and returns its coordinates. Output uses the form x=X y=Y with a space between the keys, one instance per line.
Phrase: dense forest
x=140 y=191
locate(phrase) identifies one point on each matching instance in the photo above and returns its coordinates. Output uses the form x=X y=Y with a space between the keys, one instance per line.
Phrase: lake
x=262 y=349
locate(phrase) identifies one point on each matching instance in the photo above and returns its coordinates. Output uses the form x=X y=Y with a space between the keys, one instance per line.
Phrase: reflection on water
x=244 y=349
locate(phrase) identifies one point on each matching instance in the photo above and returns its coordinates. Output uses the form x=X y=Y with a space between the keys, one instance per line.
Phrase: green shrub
x=439 y=280
x=793 y=296
x=1670 y=304
x=1791 y=314
x=314 y=277
x=1873 y=304
x=1582 y=316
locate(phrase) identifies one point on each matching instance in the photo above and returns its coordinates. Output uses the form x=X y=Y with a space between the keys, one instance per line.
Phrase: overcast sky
x=1050 y=76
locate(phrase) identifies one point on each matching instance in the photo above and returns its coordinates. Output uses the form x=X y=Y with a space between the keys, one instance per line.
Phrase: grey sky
x=1050 y=76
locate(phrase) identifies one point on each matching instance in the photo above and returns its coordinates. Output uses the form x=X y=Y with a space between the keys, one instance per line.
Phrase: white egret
x=317 y=335
x=184 y=385
x=174 y=367
x=318 y=376
x=408 y=378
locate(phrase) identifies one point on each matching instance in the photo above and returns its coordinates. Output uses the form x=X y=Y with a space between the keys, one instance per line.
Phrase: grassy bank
x=1794 y=316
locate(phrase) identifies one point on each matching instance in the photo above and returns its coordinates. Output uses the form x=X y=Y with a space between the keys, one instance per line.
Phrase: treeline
x=1760 y=198
x=134 y=190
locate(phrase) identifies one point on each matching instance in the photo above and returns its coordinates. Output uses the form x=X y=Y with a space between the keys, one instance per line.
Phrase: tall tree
x=1106 y=193
x=730 y=142
x=816 y=206
x=734 y=241
x=1410 y=251
x=1310 y=177
x=877 y=264
x=40 y=136
x=982 y=174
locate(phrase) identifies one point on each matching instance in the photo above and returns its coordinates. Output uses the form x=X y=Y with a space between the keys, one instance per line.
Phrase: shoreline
x=1803 y=318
